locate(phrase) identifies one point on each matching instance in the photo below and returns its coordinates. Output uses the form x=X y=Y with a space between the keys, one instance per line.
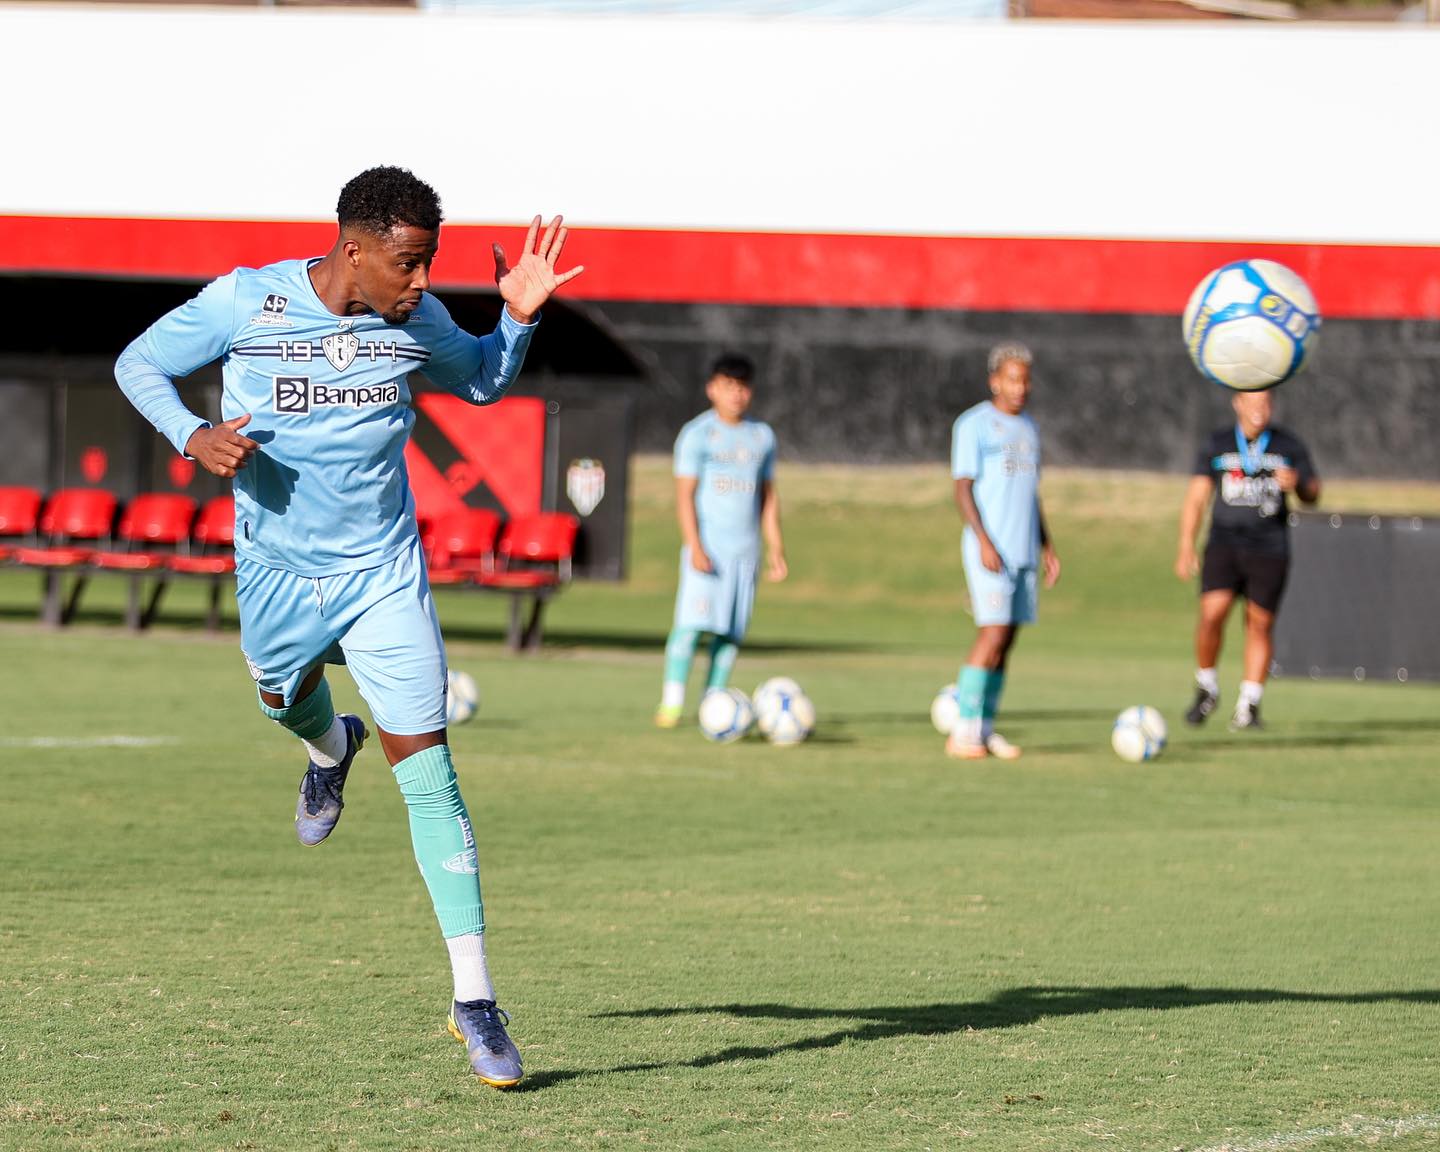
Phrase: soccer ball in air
x=1139 y=734
x=462 y=697
x=945 y=710
x=1250 y=324
x=725 y=715
x=785 y=717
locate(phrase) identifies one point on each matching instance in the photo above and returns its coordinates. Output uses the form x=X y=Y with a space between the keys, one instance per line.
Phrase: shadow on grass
x=1012 y=1008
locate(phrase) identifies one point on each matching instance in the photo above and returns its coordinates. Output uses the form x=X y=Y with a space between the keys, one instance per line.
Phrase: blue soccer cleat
x=480 y=1026
x=318 y=809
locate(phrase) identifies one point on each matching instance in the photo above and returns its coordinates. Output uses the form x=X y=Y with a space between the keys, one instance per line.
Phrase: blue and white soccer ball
x=759 y=699
x=945 y=710
x=725 y=715
x=1139 y=734
x=785 y=717
x=1249 y=325
x=462 y=697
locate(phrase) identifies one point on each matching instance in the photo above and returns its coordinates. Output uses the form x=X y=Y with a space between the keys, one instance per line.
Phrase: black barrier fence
x=1363 y=600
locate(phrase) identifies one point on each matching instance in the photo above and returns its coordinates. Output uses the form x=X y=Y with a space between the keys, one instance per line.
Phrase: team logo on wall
x=340 y=349
x=585 y=484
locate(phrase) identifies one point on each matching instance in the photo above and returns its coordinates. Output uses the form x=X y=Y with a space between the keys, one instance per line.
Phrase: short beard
x=396 y=319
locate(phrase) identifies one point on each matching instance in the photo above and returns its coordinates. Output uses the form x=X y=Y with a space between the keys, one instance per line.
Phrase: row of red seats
x=159 y=535
x=163 y=534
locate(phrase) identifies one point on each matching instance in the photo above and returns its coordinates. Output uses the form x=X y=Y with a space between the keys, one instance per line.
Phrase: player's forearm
x=770 y=524
x=969 y=510
x=501 y=356
x=154 y=394
x=1189 y=525
x=1309 y=492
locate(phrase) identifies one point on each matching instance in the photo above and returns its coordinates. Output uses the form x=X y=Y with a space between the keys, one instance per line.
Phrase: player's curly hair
x=380 y=199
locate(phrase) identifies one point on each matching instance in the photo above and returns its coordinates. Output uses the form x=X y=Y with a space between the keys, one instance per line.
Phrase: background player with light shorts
x=1246 y=472
x=995 y=461
x=316 y=355
x=725 y=500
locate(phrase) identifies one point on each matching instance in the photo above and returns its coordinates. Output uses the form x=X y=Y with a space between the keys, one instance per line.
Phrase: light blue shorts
x=380 y=622
x=1010 y=596
x=720 y=601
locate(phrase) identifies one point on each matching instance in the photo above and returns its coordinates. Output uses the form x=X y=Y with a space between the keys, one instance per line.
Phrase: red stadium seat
x=19 y=517
x=213 y=553
x=533 y=561
x=160 y=519
x=70 y=519
x=462 y=545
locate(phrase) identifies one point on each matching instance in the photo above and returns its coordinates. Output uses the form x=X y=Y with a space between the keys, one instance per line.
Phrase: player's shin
x=970 y=695
x=679 y=654
x=990 y=703
x=723 y=651
x=443 y=840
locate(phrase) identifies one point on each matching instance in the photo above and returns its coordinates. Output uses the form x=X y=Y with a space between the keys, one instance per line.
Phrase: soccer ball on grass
x=1139 y=734
x=1250 y=324
x=945 y=710
x=785 y=717
x=725 y=715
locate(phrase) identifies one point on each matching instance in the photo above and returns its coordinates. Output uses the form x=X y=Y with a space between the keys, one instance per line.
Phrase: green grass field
x=850 y=944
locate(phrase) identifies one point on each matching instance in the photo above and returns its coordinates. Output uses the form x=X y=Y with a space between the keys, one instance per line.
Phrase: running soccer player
x=725 y=500
x=995 y=460
x=316 y=413
x=1246 y=471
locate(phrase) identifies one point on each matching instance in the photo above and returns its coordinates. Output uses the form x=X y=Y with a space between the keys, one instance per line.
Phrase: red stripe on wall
x=832 y=270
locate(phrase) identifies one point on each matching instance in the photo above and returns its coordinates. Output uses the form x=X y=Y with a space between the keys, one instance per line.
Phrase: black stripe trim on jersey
x=317 y=352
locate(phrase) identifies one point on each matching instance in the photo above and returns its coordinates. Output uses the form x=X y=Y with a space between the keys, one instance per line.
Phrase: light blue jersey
x=327 y=492
x=1002 y=455
x=731 y=464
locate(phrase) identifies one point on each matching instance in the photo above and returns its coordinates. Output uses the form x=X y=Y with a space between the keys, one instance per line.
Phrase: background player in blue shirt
x=995 y=460
x=315 y=356
x=725 y=500
x=1246 y=473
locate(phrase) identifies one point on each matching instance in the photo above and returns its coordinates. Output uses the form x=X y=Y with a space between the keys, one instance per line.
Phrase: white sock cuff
x=469 y=967
x=1251 y=691
x=1208 y=679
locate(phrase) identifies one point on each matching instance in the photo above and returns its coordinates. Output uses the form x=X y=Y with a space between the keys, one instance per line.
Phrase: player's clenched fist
x=221 y=449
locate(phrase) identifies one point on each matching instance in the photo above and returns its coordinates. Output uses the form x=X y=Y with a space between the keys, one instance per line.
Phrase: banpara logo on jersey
x=299 y=395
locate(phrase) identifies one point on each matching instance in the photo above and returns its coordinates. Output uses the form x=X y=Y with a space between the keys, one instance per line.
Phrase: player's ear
x=350 y=249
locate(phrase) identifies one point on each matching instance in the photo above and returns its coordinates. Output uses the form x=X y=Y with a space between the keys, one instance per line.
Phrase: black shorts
x=1258 y=576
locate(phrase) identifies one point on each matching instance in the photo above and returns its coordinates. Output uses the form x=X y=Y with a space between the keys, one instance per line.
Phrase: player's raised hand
x=526 y=285
x=221 y=449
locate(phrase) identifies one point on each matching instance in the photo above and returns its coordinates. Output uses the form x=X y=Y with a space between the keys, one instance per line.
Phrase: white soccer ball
x=945 y=710
x=725 y=715
x=1249 y=325
x=786 y=717
x=760 y=698
x=462 y=697
x=1139 y=734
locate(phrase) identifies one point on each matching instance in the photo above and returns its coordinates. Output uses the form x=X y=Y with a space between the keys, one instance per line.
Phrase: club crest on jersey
x=340 y=349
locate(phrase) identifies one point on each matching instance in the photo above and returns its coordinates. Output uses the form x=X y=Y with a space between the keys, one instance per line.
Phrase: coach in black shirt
x=1249 y=468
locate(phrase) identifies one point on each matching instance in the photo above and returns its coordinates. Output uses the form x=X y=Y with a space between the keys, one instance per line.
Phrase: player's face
x=392 y=272
x=729 y=397
x=1252 y=410
x=1010 y=387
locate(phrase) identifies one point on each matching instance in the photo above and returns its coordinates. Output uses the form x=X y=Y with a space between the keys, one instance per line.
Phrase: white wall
x=1233 y=131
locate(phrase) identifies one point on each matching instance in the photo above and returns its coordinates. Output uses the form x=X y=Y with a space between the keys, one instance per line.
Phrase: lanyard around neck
x=1252 y=452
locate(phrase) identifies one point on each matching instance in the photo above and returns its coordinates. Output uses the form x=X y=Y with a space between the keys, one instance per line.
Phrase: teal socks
x=310 y=718
x=443 y=840
x=679 y=652
x=723 y=651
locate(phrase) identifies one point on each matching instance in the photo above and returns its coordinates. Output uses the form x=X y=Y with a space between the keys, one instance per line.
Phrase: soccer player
x=995 y=460
x=725 y=500
x=316 y=413
x=1246 y=471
